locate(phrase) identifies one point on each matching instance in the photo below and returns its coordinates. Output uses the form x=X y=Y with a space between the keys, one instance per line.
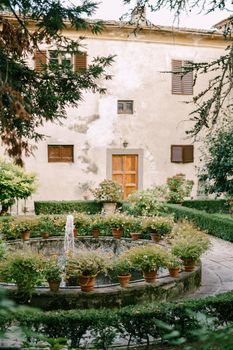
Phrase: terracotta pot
x=135 y=236
x=45 y=234
x=54 y=285
x=75 y=232
x=174 y=271
x=87 y=283
x=26 y=235
x=109 y=208
x=117 y=232
x=189 y=264
x=124 y=280
x=155 y=237
x=95 y=233
x=150 y=276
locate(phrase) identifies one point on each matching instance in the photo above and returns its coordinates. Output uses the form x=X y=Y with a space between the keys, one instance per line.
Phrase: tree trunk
x=4 y=209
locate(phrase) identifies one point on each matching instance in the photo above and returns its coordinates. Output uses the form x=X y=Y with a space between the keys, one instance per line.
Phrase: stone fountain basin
x=165 y=288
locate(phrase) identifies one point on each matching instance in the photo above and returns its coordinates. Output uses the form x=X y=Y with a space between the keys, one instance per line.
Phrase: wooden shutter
x=182 y=84
x=60 y=153
x=176 y=78
x=176 y=154
x=80 y=62
x=40 y=58
x=188 y=154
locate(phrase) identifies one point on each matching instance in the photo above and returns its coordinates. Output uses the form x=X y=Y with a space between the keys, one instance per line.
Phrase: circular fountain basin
x=106 y=293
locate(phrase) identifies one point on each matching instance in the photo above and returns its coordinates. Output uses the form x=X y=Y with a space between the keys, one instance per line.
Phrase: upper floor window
x=182 y=83
x=60 y=153
x=125 y=107
x=182 y=154
x=78 y=61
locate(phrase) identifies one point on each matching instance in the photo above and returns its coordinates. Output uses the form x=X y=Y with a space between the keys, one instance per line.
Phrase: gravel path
x=217 y=270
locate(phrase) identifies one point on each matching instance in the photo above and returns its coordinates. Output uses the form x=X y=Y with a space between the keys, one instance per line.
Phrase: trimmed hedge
x=144 y=323
x=67 y=207
x=215 y=225
x=209 y=205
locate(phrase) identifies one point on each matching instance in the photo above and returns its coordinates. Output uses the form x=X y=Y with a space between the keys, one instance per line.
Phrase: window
x=78 y=61
x=182 y=84
x=60 y=153
x=125 y=107
x=182 y=153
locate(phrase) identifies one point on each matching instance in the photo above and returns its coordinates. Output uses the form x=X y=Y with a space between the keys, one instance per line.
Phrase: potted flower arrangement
x=46 y=227
x=133 y=227
x=117 y=222
x=147 y=258
x=189 y=244
x=178 y=188
x=24 y=267
x=80 y=220
x=173 y=263
x=53 y=271
x=87 y=264
x=95 y=224
x=157 y=226
x=122 y=267
x=23 y=227
x=108 y=192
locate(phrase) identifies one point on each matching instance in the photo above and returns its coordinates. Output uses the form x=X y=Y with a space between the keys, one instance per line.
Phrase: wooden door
x=125 y=172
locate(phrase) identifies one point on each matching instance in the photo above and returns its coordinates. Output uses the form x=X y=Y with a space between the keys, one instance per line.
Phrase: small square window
x=60 y=153
x=125 y=107
x=182 y=154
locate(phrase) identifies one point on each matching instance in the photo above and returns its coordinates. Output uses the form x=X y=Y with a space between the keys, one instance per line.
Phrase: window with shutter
x=60 y=153
x=125 y=107
x=182 y=83
x=81 y=62
x=182 y=154
x=40 y=59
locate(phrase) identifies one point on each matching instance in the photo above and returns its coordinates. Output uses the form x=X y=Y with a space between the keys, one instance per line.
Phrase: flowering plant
x=89 y=262
x=172 y=261
x=108 y=191
x=53 y=269
x=122 y=266
x=147 y=257
x=116 y=220
x=178 y=188
x=159 y=224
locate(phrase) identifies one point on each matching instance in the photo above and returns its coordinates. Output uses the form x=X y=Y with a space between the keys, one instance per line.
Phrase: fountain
x=69 y=235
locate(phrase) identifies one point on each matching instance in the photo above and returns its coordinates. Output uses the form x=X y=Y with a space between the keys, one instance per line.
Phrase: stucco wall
x=159 y=119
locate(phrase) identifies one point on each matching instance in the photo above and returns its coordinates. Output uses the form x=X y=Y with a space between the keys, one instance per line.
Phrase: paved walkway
x=217 y=269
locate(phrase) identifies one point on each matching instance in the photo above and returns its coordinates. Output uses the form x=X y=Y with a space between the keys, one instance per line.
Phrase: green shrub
x=214 y=225
x=66 y=207
x=209 y=205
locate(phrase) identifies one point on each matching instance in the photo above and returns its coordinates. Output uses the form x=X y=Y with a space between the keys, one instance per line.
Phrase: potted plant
x=147 y=258
x=23 y=227
x=122 y=267
x=87 y=264
x=95 y=224
x=133 y=227
x=178 y=188
x=173 y=264
x=117 y=222
x=46 y=227
x=157 y=226
x=24 y=267
x=53 y=271
x=81 y=220
x=189 y=244
x=108 y=192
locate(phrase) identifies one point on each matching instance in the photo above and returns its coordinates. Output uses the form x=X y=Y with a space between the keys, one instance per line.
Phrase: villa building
x=135 y=133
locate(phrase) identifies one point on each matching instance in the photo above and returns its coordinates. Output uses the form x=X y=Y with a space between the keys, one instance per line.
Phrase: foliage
x=53 y=269
x=89 y=262
x=172 y=261
x=209 y=205
x=15 y=183
x=66 y=207
x=122 y=265
x=162 y=225
x=217 y=226
x=24 y=91
x=217 y=172
x=108 y=191
x=25 y=268
x=147 y=257
x=116 y=220
x=45 y=224
x=149 y=202
x=189 y=242
x=178 y=188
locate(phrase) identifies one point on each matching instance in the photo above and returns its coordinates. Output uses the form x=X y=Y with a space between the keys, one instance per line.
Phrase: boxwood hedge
x=209 y=205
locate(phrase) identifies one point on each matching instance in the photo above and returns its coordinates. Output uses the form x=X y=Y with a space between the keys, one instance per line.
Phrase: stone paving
x=217 y=270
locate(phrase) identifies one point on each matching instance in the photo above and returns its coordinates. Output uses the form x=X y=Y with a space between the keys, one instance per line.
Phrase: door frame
x=122 y=151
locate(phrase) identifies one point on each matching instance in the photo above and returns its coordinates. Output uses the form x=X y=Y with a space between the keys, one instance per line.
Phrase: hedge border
x=208 y=205
x=216 y=226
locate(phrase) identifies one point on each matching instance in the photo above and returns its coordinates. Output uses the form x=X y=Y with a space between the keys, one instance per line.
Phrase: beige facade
x=159 y=119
